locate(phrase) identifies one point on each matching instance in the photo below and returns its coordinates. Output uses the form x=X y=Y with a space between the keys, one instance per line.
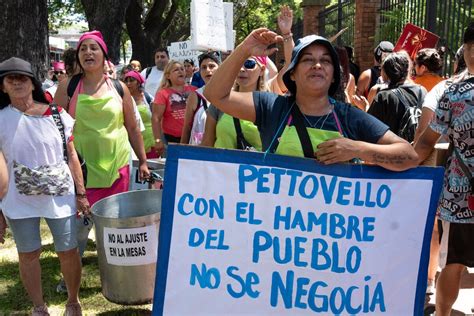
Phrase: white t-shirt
x=434 y=95
x=35 y=141
x=153 y=81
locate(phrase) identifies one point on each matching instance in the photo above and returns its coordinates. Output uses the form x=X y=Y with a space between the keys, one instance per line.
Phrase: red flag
x=414 y=38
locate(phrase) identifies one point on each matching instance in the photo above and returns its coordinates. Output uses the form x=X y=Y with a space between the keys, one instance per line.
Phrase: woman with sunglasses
x=106 y=124
x=221 y=128
x=337 y=132
x=135 y=84
x=59 y=74
x=45 y=181
x=169 y=106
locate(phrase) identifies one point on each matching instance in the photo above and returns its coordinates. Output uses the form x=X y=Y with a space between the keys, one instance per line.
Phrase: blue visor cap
x=301 y=44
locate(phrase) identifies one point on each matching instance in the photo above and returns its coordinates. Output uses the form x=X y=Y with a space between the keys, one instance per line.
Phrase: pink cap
x=58 y=66
x=262 y=60
x=96 y=36
x=136 y=75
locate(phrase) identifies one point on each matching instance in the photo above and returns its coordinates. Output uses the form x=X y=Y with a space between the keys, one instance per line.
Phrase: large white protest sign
x=208 y=26
x=229 y=25
x=183 y=50
x=248 y=234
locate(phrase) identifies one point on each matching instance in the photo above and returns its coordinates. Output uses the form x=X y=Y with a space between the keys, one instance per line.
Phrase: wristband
x=81 y=195
x=286 y=37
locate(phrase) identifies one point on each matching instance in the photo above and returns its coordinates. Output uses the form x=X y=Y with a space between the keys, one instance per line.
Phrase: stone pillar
x=366 y=24
x=311 y=9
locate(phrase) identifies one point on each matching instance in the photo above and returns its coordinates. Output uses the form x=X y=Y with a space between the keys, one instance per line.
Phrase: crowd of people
x=317 y=105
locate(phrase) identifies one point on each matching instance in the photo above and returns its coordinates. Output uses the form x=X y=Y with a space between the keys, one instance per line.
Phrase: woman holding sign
x=308 y=123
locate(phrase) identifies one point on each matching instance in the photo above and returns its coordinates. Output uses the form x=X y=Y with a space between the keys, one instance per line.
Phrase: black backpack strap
x=59 y=124
x=202 y=102
x=374 y=76
x=72 y=85
x=148 y=72
x=148 y=98
x=302 y=132
x=242 y=143
x=401 y=97
x=118 y=87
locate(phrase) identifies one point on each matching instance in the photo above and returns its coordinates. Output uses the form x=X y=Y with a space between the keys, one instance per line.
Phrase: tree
x=252 y=14
x=155 y=24
x=63 y=14
x=107 y=16
x=24 y=29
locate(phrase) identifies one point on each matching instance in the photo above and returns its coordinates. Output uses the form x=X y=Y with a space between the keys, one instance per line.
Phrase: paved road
x=465 y=303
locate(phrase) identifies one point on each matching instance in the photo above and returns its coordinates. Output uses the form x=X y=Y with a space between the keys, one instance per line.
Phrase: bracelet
x=83 y=195
x=286 y=37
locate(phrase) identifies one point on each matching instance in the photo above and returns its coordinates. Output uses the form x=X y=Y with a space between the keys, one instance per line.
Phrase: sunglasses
x=250 y=64
x=129 y=79
x=60 y=72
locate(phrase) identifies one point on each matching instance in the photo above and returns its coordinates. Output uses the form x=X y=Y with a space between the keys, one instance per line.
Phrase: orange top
x=428 y=80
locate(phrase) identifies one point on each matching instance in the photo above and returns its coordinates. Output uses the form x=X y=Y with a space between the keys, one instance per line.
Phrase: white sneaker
x=430 y=289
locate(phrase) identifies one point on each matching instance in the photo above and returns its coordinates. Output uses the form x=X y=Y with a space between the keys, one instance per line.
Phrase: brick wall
x=366 y=23
x=311 y=9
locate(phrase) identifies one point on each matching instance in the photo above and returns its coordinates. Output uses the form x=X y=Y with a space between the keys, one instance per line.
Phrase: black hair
x=340 y=94
x=396 y=67
x=350 y=52
x=468 y=33
x=38 y=93
x=431 y=58
x=189 y=61
x=69 y=58
x=211 y=55
x=461 y=63
x=161 y=49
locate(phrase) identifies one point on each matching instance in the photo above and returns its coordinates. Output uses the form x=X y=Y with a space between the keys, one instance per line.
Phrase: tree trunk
x=156 y=31
x=142 y=48
x=24 y=29
x=107 y=16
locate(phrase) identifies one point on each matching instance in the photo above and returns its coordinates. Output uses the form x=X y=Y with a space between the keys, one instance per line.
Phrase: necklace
x=324 y=118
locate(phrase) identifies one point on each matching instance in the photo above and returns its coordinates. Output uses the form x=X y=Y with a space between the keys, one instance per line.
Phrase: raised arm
x=60 y=97
x=285 y=21
x=219 y=89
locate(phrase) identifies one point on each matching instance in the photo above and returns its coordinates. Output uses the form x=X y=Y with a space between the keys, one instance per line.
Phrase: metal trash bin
x=126 y=232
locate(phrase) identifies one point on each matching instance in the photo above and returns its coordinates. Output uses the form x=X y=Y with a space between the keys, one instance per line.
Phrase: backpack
x=72 y=85
x=148 y=72
x=411 y=115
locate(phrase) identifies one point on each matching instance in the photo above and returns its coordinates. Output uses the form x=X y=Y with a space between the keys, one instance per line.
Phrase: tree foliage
x=150 y=24
x=63 y=14
x=252 y=14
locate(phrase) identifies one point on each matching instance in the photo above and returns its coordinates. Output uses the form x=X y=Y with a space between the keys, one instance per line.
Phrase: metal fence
x=337 y=17
x=446 y=18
